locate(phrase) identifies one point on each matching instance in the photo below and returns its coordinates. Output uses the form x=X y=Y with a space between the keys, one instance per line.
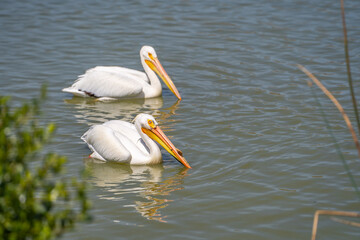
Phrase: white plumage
x=123 y=142
x=107 y=82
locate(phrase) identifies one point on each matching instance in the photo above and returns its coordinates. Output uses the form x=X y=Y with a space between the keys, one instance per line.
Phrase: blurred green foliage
x=36 y=202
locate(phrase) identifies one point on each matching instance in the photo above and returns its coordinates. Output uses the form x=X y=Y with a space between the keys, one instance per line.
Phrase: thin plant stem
x=351 y=223
x=329 y=212
x=348 y=66
x=337 y=147
x=336 y=102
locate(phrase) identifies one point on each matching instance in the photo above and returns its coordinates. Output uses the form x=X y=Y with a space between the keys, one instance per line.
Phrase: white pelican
x=118 y=82
x=123 y=142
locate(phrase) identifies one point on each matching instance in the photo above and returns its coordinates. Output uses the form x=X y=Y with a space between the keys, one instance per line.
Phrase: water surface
x=263 y=159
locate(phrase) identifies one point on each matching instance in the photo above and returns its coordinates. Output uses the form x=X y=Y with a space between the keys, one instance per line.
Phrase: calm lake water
x=252 y=129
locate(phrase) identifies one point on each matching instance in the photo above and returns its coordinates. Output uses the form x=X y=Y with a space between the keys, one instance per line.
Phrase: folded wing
x=113 y=82
x=115 y=140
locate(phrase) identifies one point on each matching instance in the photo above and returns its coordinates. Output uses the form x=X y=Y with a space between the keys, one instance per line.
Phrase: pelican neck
x=154 y=151
x=153 y=78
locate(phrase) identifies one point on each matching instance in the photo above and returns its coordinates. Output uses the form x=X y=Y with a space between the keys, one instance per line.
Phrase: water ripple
x=253 y=131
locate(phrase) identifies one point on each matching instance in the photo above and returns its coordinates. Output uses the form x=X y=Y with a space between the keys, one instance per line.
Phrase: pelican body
x=111 y=82
x=124 y=142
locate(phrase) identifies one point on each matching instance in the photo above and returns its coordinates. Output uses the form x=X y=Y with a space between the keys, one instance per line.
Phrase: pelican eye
x=151 y=123
x=151 y=56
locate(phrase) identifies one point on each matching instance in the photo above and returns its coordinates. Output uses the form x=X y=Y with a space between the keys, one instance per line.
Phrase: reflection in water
x=144 y=181
x=91 y=111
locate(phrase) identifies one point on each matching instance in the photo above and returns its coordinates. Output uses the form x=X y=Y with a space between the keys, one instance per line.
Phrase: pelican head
x=149 y=55
x=150 y=127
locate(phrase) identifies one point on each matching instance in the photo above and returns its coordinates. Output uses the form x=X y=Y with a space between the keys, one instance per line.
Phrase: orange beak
x=156 y=66
x=158 y=135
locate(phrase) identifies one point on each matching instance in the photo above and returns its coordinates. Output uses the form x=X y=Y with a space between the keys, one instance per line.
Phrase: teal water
x=263 y=159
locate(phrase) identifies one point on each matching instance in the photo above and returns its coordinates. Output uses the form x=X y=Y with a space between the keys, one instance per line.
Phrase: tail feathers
x=97 y=156
x=83 y=137
x=75 y=91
